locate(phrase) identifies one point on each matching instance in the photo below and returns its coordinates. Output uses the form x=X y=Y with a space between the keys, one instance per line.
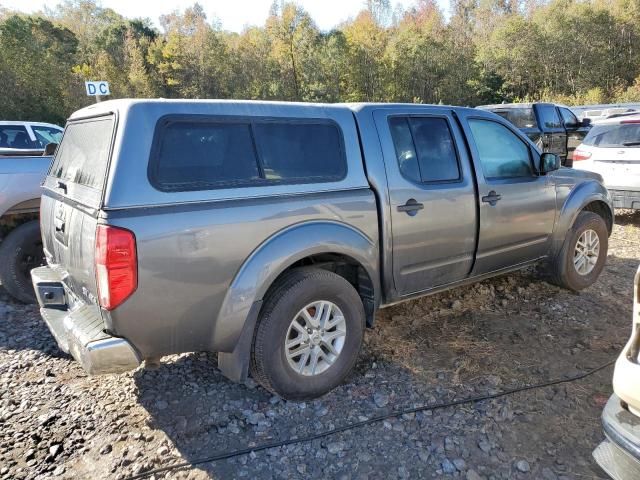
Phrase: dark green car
x=553 y=128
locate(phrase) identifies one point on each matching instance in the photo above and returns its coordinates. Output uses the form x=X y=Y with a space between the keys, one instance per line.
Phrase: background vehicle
x=619 y=454
x=271 y=232
x=20 y=242
x=28 y=138
x=601 y=112
x=612 y=149
x=553 y=128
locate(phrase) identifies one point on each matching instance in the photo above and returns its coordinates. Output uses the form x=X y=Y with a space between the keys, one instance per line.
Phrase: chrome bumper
x=80 y=331
x=619 y=454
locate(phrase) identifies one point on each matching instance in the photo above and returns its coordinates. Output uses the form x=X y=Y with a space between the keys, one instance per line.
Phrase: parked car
x=272 y=232
x=27 y=138
x=601 y=112
x=553 y=128
x=612 y=149
x=20 y=242
x=619 y=453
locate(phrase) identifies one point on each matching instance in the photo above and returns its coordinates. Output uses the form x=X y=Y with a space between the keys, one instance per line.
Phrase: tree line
x=486 y=51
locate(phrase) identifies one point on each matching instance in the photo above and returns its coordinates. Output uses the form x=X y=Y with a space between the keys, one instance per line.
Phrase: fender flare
x=581 y=196
x=237 y=317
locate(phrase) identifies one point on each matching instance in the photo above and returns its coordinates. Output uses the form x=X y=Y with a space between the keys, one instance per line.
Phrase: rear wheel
x=583 y=254
x=309 y=334
x=20 y=252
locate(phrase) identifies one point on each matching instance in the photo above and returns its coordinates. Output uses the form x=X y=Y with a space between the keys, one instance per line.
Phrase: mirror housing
x=549 y=162
x=586 y=122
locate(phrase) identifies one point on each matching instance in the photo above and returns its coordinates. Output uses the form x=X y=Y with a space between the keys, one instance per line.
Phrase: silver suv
x=272 y=232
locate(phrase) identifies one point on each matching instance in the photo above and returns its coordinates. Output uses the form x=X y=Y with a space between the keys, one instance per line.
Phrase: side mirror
x=50 y=149
x=586 y=122
x=549 y=162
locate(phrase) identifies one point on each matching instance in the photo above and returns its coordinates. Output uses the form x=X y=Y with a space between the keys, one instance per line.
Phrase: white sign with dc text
x=97 y=88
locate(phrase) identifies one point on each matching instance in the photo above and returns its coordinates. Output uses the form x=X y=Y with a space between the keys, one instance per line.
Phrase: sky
x=233 y=14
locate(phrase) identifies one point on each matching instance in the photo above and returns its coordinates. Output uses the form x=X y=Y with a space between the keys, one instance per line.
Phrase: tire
x=20 y=252
x=563 y=270
x=283 y=306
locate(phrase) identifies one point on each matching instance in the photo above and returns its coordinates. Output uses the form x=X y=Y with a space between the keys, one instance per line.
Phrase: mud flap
x=235 y=365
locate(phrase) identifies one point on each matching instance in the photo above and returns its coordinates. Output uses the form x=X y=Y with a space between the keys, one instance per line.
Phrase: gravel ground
x=55 y=421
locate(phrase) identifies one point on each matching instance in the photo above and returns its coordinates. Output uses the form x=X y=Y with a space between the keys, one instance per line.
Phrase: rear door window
x=549 y=117
x=83 y=155
x=15 y=136
x=425 y=149
x=521 y=117
x=203 y=154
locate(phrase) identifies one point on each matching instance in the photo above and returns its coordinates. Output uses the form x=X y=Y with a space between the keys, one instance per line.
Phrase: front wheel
x=309 y=334
x=583 y=254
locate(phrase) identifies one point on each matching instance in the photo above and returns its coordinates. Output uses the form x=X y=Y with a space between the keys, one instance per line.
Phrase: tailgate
x=71 y=200
x=620 y=167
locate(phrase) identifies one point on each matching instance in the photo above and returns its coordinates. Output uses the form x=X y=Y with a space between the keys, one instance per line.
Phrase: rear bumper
x=619 y=454
x=625 y=198
x=80 y=331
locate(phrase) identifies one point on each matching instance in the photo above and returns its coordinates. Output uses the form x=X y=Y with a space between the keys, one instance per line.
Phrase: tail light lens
x=116 y=265
x=579 y=155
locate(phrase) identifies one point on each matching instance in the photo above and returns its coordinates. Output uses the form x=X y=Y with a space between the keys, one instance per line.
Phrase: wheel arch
x=588 y=196
x=326 y=244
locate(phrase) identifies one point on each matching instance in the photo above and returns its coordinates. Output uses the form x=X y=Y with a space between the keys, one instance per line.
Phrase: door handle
x=411 y=207
x=492 y=198
x=59 y=224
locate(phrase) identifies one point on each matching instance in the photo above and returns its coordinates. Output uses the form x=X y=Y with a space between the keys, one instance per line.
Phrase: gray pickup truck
x=20 y=242
x=272 y=232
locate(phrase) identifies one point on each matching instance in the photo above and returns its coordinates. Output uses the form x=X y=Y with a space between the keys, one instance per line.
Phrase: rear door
x=517 y=206
x=71 y=199
x=432 y=197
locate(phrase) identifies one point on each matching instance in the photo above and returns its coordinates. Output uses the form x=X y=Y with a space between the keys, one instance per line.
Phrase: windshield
x=521 y=117
x=45 y=135
x=614 y=135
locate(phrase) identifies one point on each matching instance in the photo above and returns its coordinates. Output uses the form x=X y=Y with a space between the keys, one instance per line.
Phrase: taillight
x=579 y=155
x=116 y=265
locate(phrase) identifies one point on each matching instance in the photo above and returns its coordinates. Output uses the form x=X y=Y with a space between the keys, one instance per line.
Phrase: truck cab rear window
x=83 y=155
x=202 y=154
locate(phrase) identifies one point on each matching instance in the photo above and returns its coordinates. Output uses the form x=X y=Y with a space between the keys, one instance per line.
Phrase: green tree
x=35 y=60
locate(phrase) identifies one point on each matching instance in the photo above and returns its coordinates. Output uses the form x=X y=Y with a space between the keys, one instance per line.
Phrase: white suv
x=27 y=137
x=612 y=149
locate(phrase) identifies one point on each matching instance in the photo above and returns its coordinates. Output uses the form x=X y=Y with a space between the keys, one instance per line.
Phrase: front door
x=432 y=197
x=517 y=206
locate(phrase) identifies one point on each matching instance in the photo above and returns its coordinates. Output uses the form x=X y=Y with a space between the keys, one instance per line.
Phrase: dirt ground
x=509 y=331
